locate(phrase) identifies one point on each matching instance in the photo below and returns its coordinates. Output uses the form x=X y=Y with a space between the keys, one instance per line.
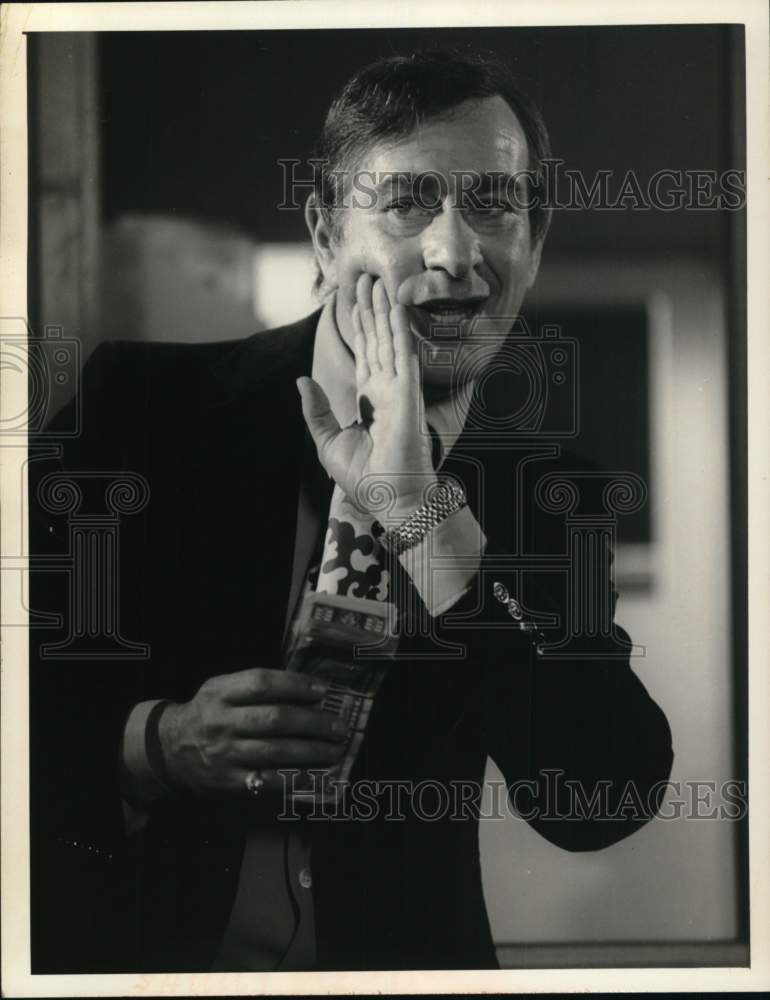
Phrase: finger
x=287 y=720
x=320 y=420
x=381 y=307
x=366 y=313
x=289 y=753
x=346 y=292
x=359 y=349
x=260 y=685
x=404 y=347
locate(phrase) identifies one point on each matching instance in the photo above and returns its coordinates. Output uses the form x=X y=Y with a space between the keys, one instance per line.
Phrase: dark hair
x=390 y=97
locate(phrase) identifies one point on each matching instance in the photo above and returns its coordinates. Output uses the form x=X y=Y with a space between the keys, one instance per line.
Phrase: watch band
x=444 y=500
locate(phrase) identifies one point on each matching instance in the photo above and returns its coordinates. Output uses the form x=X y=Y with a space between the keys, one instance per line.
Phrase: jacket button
x=305 y=878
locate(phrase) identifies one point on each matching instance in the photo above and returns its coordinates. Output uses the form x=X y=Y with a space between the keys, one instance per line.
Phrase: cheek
x=396 y=269
x=511 y=269
x=350 y=266
x=394 y=263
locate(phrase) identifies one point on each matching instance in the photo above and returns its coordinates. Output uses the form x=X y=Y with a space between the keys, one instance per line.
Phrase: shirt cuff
x=443 y=564
x=143 y=778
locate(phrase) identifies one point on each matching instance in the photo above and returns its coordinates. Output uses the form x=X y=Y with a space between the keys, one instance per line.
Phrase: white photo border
x=15 y=21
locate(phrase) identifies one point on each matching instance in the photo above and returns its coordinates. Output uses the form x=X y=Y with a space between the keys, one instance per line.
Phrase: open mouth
x=442 y=313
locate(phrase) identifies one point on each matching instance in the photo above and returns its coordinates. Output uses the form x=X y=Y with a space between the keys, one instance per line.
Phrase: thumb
x=318 y=415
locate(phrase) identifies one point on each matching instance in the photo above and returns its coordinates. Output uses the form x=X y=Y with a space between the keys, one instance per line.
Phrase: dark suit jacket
x=204 y=573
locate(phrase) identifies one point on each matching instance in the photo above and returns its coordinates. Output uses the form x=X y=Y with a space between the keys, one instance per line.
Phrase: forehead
x=483 y=135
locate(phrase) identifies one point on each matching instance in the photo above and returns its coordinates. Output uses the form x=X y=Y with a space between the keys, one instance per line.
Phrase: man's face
x=452 y=256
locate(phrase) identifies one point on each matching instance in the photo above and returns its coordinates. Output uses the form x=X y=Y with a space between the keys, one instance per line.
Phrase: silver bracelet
x=447 y=498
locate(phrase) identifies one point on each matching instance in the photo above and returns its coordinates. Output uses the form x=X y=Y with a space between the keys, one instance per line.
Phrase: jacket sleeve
x=583 y=748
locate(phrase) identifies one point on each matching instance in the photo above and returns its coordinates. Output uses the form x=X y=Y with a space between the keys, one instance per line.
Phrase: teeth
x=451 y=316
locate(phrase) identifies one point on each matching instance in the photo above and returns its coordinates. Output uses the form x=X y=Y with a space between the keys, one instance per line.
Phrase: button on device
x=305 y=878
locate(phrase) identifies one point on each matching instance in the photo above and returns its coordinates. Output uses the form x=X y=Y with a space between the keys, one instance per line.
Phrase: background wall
x=156 y=186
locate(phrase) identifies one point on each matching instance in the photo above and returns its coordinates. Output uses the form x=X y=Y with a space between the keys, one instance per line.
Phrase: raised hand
x=390 y=445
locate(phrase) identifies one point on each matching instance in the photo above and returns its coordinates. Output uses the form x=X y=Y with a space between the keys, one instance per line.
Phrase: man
x=161 y=838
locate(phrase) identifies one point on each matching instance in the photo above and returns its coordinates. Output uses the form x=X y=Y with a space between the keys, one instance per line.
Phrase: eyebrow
x=485 y=181
x=472 y=181
x=389 y=179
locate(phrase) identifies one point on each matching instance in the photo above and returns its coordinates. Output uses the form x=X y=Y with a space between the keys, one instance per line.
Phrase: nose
x=450 y=244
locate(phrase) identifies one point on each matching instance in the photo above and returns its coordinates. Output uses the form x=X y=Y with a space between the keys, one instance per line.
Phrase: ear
x=323 y=241
x=534 y=266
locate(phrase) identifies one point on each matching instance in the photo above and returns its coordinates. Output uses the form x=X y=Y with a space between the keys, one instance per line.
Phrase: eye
x=403 y=207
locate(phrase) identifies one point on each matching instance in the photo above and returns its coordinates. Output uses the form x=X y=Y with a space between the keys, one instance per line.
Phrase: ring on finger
x=255 y=783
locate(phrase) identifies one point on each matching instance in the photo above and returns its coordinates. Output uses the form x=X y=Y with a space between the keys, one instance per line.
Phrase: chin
x=442 y=368
x=450 y=364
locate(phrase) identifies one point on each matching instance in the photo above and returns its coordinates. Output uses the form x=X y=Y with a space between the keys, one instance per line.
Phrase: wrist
x=141 y=777
x=162 y=741
x=443 y=499
x=409 y=503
